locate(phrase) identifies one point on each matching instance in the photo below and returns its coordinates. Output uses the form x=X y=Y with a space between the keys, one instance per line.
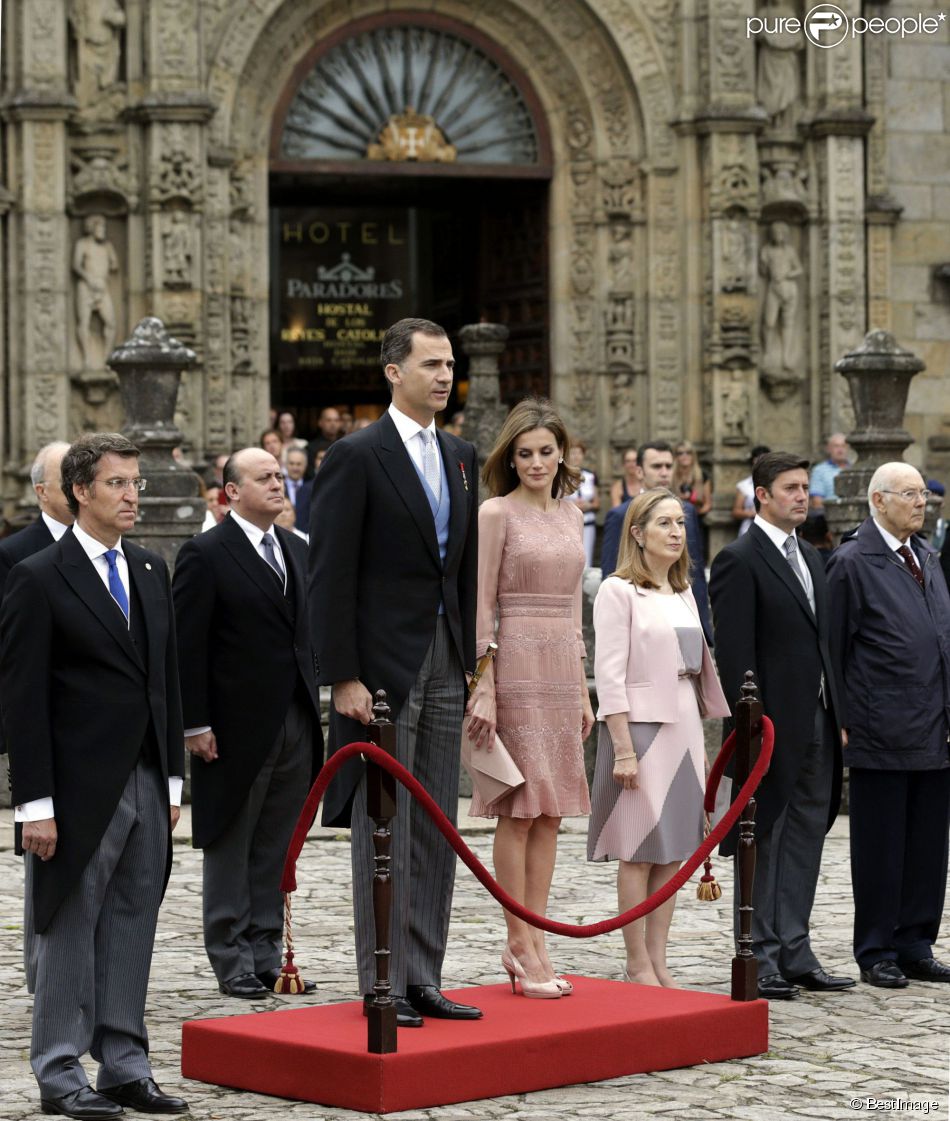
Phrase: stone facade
x=731 y=209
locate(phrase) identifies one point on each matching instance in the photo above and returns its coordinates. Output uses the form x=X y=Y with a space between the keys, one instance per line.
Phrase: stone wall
x=918 y=143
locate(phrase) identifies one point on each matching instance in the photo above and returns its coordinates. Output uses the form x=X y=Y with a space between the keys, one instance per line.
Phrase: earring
x=512 y=465
x=561 y=460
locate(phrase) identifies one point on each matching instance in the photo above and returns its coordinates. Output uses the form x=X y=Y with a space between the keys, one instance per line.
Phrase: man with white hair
x=55 y=516
x=891 y=649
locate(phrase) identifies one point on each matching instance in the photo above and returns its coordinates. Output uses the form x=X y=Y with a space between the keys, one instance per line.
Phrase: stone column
x=878 y=373
x=484 y=412
x=149 y=366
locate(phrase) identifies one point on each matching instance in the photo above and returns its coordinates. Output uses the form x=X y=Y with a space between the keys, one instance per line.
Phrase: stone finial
x=150 y=344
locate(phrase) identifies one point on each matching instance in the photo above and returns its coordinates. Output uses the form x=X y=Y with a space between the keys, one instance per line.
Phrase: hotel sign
x=344 y=276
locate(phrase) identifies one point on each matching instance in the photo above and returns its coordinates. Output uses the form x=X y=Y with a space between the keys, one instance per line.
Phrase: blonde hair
x=695 y=475
x=500 y=476
x=631 y=564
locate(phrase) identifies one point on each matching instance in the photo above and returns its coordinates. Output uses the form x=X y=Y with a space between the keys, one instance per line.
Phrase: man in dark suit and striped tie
x=92 y=720
x=393 y=558
x=252 y=716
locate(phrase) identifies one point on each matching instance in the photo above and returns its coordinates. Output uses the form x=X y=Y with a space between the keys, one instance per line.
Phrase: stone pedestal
x=149 y=366
x=878 y=373
x=484 y=412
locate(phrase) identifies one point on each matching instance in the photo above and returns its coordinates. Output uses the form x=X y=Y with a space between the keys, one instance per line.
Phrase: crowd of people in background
x=850 y=647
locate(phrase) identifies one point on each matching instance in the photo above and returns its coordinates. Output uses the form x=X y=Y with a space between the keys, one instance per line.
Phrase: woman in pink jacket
x=655 y=683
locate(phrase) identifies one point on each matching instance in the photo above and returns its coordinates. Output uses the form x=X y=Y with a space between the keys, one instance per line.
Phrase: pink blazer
x=636 y=657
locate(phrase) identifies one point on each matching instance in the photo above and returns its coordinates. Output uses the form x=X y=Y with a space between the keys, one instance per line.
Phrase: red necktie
x=910 y=560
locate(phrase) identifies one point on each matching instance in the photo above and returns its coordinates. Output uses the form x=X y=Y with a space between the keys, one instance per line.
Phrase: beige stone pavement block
x=915 y=198
x=922 y=243
x=926 y=155
x=920 y=58
x=914 y=105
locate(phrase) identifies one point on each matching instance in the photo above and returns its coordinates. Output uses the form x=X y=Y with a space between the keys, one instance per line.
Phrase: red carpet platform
x=607 y=1028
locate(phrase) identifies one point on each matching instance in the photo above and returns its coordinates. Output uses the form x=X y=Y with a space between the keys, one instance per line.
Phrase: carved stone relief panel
x=44 y=45
x=178 y=249
x=176 y=175
x=665 y=288
x=733 y=181
x=99 y=169
x=731 y=60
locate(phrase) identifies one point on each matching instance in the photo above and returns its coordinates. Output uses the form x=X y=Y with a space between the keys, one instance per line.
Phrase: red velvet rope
x=447 y=829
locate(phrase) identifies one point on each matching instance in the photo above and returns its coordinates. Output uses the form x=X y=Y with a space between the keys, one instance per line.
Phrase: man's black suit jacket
x=80 y=701
x=33 y=538
x=244 y=650
x=763 y=622
x=376 y=577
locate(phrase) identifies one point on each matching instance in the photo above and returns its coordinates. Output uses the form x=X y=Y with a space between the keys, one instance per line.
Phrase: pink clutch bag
x=493 y=772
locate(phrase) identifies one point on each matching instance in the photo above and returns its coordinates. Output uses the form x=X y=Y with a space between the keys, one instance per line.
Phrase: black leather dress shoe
x=245 y=985
x=430 y=1002
x=84 y=1105
x=926 y=969
x=406 y=1015
x=775 y=987
x=269 y=979
x=818 y=981
x=144 y=1096
x=885 y=974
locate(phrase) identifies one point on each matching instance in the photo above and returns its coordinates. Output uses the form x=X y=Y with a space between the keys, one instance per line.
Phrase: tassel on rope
x=707 y=890
x=289 y=980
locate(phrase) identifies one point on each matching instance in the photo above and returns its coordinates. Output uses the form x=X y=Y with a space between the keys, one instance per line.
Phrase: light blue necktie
x=116 y=587
x=430 y=462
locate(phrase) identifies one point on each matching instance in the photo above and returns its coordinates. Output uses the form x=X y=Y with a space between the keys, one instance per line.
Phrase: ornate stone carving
x=620 y=189
x=98 y=28
x=101 y=169
x=781 y=270
x=734 y=408
x=733 y=181
x=784 y=182
x=94 y=262
x=778 y=76
x=178 y=250
x=178 y=177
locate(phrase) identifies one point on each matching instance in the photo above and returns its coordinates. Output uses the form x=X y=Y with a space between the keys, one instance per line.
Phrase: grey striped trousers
x=428 y=733
x=93 y=960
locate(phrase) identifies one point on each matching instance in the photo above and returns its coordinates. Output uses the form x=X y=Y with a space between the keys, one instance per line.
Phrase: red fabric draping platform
x=606 y=1029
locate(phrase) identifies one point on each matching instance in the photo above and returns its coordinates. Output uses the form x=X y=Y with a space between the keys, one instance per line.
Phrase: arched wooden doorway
x=409 y=171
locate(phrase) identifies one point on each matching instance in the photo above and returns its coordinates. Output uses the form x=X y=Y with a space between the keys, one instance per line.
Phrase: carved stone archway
x=616 y=242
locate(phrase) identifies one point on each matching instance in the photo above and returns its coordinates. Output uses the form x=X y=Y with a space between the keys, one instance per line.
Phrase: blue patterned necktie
x=116 y=587
x=430 y=463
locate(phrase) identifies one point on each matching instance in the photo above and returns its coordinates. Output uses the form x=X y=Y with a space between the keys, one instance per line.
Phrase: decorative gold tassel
x=290 y=980
x=707 y=889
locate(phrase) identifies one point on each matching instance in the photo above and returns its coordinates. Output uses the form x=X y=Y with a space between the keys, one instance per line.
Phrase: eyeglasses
x=910 y=495
x=120 y=486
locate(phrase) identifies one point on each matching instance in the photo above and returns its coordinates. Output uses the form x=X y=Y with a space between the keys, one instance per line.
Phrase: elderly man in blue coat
x=891 y=647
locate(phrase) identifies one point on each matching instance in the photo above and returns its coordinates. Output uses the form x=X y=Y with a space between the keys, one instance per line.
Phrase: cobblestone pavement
x=825 y=1051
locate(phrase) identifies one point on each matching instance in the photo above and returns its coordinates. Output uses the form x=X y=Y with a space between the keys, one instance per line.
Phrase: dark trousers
x=242 y=902
x=899 y=828
x=787 y=862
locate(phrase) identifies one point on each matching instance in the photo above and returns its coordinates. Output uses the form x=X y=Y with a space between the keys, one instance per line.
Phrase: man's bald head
x=47 y=482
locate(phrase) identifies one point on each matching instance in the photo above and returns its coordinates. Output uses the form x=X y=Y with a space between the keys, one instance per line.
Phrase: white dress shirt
x=42 y=808
x=409 y=430
x=57 y=529
x=256 y=537
x=893 y=542
x=778 y=538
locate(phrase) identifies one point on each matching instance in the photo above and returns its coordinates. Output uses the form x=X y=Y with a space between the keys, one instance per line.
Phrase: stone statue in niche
x=781 y=268
x=736 y=261
x=177 y=252
x=94 y=261
x=735 y=409
x=619 y=255
x=778 y=81
x=98 y=27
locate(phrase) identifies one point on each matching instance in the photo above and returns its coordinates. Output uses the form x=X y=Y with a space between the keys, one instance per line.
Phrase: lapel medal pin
x=464 y=476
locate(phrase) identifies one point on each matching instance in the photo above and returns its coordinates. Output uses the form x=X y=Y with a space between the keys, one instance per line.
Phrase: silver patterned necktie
x=267 y=544
x=793 y=557
x=430 y=462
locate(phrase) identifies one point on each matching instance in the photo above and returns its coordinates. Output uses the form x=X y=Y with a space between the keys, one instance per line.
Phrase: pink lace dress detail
x=529 y=587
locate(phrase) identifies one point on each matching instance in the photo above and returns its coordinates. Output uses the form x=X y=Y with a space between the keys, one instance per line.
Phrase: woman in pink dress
x=530 y=563
x=655 y=683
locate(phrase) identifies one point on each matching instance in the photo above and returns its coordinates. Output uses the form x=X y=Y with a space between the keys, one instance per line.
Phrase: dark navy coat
x=891 y=649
